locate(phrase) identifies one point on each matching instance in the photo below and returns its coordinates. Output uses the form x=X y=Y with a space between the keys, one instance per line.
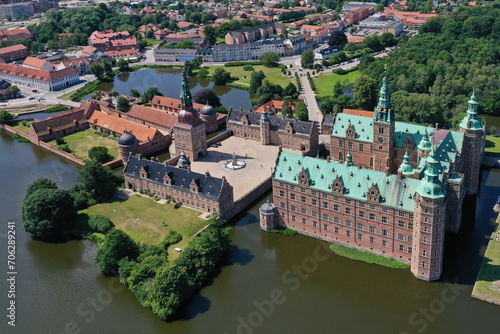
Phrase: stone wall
x=247 y=199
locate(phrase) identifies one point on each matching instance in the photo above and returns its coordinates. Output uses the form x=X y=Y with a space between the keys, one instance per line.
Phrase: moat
x=271 y=283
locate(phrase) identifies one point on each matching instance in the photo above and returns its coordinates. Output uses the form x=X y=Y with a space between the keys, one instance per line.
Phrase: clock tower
x=383 y=131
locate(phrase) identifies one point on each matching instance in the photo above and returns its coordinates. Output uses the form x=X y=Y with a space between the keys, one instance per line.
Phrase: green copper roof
x=406 y=167
x=384 y=111
x=363 y=126
x=186 y=99
x=430 y=185
x=348 y=160
x=425 y=143
x=394 y=193
x=471 y=121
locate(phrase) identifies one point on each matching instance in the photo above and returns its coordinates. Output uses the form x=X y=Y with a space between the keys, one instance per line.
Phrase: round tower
x=184 y=162
x=127 y=144
x=209 y=114
x=268 y=214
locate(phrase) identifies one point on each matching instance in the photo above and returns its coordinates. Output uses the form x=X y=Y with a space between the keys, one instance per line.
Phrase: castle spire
x=186 y=99
x=384 y=111
x=406 y=167
x=348 y=160
x=430 y=185
x=471 y=121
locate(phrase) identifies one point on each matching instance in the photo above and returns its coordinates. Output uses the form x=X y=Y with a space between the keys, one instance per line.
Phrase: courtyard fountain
x=234 y=164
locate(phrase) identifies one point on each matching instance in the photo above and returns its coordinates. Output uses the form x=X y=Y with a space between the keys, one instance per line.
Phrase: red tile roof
x=35 y=73
x=172 y=103
x=364 y=113
x=152 y=115
x=13 y=48
x=34 y=62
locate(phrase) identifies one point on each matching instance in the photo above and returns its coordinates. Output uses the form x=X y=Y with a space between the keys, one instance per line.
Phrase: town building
x=389 y=188
x=17 y=10
x=201 y=192
x=381 y=23
x=357 y=4
x=15 y=34
x=274 y=130
x=274 y=107
x=13 y=52
x=81 y=64
x=109 y=40
x=409 y=19
x=39 y=78
x=358 y=14
x=254 y=33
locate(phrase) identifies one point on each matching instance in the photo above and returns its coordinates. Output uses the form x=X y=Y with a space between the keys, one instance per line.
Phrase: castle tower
x=209 y=115
x=383 y=130
x=265 y=129
x=424 y=147
x=190 y=130
x=429 y=223
x=184 y=162
x=474 y=142
x=406 y=168
x=268 y=213
x=127 y=144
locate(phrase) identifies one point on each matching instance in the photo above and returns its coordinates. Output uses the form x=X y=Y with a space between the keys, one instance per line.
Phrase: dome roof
x=188 y=116
x=207 y=110
x=127 y=139
x=267 y=208
x=183 y=161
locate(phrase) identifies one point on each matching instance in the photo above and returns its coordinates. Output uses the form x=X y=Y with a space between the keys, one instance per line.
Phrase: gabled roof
x=62 y=121
x=180 y=178
x=277 y=123
x=171 y=102
x=394 y=193
x=13 y=48
x=152 y=115
x=34 y=62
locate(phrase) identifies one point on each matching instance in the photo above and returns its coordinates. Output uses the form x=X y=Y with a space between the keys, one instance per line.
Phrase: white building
x=37 y=78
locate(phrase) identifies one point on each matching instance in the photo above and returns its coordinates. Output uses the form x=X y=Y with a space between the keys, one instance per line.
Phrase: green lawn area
x=23 y=128
x=81 y=142
x=149 y=222
x=490 y=271
x=355 y=254
x=326 y=81
x=272 y=74
x=152 y=41
x=492 y=146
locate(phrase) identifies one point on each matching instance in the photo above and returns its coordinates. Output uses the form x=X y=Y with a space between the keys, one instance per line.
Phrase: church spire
x=186 y=99
x=384 y=110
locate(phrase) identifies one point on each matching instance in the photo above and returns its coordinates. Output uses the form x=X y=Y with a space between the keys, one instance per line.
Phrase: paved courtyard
x=260 y=160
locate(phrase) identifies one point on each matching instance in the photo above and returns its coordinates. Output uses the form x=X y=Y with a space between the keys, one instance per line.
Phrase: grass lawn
x=152 y=41
x=490 y=271
x=149 y=222
x=81 y=142
x=326 y=81
x=355 y=254
x=492 y=146
x=272 y=74
x=23 y=128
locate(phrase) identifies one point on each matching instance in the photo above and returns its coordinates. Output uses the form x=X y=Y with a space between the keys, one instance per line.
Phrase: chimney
x=437 y=126
x=328 y=159
x=387 y=171
x=303 y=153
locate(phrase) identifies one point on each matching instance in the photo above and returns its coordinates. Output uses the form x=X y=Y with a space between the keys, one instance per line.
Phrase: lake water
x=168 y=81
x=270 y=283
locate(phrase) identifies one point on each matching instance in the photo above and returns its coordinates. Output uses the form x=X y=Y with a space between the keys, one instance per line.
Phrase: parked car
x=32 y=98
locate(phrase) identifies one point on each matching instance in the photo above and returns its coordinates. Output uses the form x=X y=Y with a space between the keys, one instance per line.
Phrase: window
x=384 y=210
x=401 y=248
x=325 y=227
x=410 y=215
x=303 y=199
x=314 y=224
x=336 y=230
x=384 y=243
x=381 y=130
x=372 y=216
x=293 y=218
x=372 y=229
x=348 y=201
x=314 y=202
x=293 y=207
x=303 y=220
x=292 y=196
x=410 y=250
x=313 y=192
x=360 y=236
x=361 y=205
x=410 y=238
x=303 y=190
x=423 y=264
x=372 y=240
x=325 y=216
x=360 y=226
x=436 y=240
x=325 y=205
x=283 y=205
x=401 y=236
x=424 y=252
x=424 y=239
x=401 y=214
x=314 y=213
x=384 y=232
x=348 y=233
x=410 y=226
x=436 y=229
x=303 y=211
x=372 y=207
x=362 y=214
x=348 y=211
x=401 y=223
x=341 y=143
x=348 y=222
x=349 y=145
x=361 y=147
x=336 y=220
x=335 y=207
x=384 y=220
x=324 y=195
x=282 y=193
x=335 y=198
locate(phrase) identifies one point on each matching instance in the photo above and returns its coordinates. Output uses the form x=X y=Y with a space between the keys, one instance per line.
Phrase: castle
x=389 y=188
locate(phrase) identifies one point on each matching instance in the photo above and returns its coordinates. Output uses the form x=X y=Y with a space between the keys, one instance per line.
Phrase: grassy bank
x=355 y=254
x=81 y=142
x=272 y=74
x=78 y=94
x=490 y=271
x=21 y=127
x=492 y=147
x=326 y=81
x=148 y=221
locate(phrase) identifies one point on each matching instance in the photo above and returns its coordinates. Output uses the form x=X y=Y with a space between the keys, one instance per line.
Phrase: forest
x=432 y=75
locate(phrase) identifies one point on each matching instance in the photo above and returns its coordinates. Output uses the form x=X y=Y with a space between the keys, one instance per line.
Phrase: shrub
x=242 y=63
x=177 y=205
x=24 y=123
x=20 y=138
x=65 y=148
x=287 y=231
x=60 y=141
x=100 y=223
x=248 y=67
x=171 y=239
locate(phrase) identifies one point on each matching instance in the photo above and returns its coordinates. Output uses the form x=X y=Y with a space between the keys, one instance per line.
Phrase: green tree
x=287 y=109
x=135 y=93
x=14 y=90
x=123 y=65
x=301 y=112
x=270 y=59
x=210 y=34
x=95 y=96
x=97 y=69
x=148 y=95
x=365 y=89
x=5 y=116
x=221 y=76
x=256 y=81
x=379 y=7
x=122 y=104
x=291 y=90
x=100 y=153
x=40 y=183
x=337 y=38
x=117 y=245
x=207 y=94
x=108 y=68
x=150 y=34
x=100 y=223
x=98 y=181
x=307 y=58
x=47 y=212
x=114 y=93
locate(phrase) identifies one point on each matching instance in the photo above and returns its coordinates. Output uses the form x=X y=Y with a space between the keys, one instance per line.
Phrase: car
x=32 y=98
x=41 y=98
x=35 y=91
